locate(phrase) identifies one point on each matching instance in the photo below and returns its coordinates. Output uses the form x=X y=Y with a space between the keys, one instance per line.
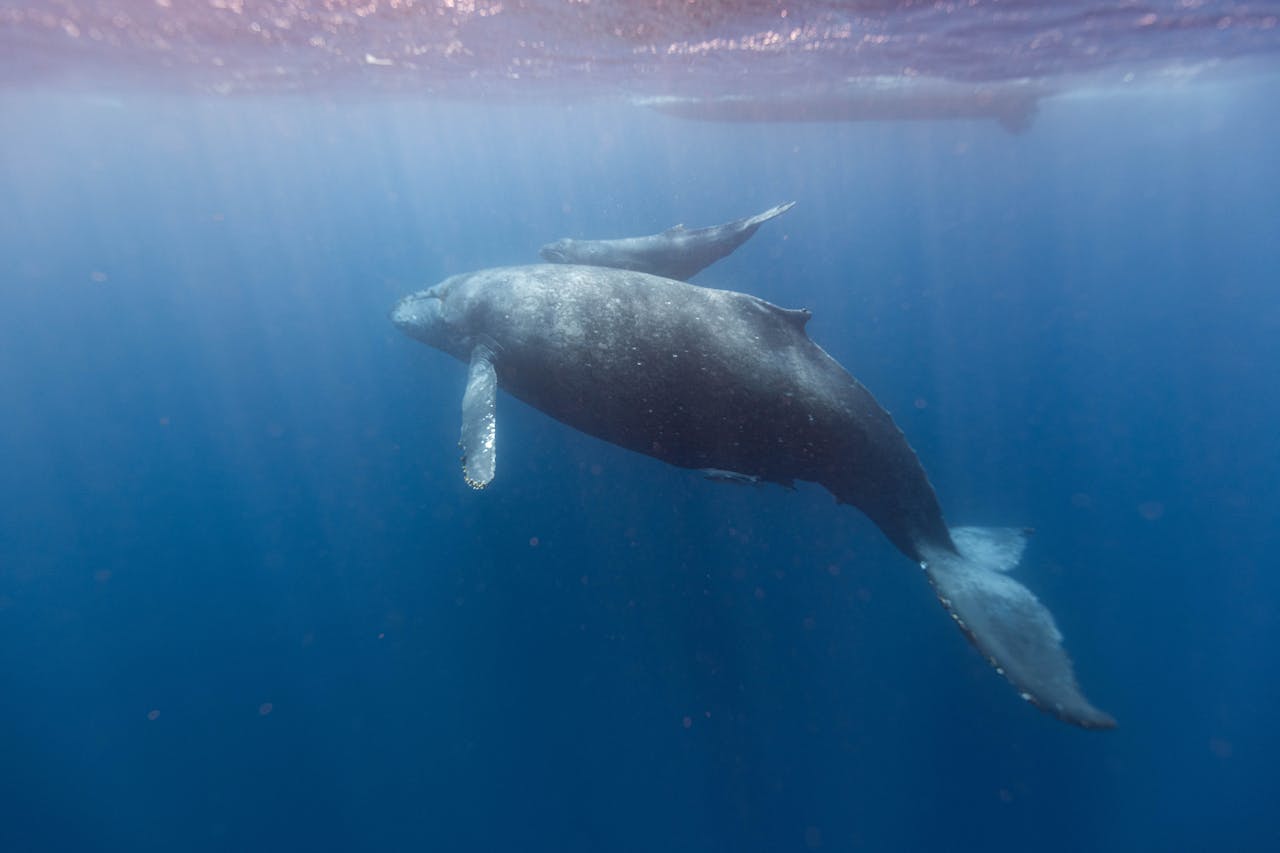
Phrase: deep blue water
x=248 y=603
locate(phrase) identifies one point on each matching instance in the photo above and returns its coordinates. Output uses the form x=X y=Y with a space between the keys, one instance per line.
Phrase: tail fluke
x=761 y=218
x=1007 y=622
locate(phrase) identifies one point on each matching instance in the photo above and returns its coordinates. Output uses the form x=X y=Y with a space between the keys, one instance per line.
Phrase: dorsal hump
x=798 y=317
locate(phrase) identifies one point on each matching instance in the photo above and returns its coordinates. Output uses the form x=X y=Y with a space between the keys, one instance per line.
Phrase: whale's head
x=559 y=252
x=440 y=316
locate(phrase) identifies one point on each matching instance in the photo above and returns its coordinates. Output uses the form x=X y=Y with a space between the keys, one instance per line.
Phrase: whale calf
x=678 y=252
x=723 y=381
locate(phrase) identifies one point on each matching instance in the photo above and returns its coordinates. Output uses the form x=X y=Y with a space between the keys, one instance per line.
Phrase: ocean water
x=247 y=601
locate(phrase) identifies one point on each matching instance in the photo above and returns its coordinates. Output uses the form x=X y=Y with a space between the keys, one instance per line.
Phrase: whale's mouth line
x=416 y=308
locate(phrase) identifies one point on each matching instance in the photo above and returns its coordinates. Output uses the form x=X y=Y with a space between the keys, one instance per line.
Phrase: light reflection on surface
x=696 y=48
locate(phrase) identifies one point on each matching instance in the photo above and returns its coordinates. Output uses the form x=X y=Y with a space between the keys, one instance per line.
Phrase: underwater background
x=247 y=601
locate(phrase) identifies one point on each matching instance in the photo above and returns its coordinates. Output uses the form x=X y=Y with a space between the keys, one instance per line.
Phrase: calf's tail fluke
x=761 y=218
x=1006 y=621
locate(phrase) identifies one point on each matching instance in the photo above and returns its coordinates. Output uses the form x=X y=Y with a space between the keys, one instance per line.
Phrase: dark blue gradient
x=248 y=603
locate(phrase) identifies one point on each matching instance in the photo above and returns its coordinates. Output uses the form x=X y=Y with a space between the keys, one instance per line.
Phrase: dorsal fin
x=673 y=230
x=797 y=317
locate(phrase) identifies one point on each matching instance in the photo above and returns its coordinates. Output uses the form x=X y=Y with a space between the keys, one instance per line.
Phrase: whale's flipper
x=1007 y=622
x=479 y=419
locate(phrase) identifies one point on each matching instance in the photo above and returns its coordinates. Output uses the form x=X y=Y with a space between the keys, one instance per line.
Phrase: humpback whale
x=723 y=381
x=678 y=252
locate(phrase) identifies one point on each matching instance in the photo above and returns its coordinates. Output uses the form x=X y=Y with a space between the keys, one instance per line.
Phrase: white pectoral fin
x=479 y=420
x=1007 y=622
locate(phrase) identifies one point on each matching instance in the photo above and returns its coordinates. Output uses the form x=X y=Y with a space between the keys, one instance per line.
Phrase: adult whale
x=714 y=379
x=678 y=252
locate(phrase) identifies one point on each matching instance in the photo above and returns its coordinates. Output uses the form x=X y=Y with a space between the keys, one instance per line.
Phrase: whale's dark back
x=700 y=378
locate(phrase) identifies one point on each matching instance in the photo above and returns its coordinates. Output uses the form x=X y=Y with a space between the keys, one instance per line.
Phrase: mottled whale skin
x=714 y=379
x=678 y=252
